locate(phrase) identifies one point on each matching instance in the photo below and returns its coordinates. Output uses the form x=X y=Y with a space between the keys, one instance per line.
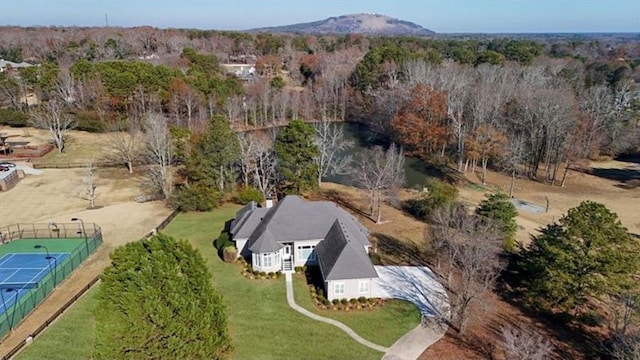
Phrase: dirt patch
x=580 y=187
x=80 y=146
x=53 y=196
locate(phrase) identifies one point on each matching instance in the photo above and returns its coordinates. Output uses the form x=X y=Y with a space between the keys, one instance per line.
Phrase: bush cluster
x=13 y=118
x=247 y=194
x=195 y=198
x=361 y=303
x=248 y=272
x=439 y=193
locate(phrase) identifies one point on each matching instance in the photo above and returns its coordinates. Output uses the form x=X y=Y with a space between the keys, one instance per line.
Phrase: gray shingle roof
x=241 y=217
x=341 y=253
x=250 y=224
x=295 y=219
x=342 y=257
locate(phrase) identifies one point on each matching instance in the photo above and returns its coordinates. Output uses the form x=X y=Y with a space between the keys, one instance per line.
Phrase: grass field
x=382 y=326
x=71 y=337
x=261 y=323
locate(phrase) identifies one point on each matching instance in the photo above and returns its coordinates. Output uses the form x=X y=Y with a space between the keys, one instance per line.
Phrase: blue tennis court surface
x=20 y=272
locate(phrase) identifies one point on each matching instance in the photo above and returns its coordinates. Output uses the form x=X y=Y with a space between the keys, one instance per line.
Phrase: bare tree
x=247 y=142
x=332 y=145
x=471 y=247
x=625 y=347
x=52 y=119
x=525 y=344
x=380 y=173
x=257 y=161
x=264 y=167
x=159 y=153
x=89 y=192
x=124 y=144
x=624 y=307
x=66 y=88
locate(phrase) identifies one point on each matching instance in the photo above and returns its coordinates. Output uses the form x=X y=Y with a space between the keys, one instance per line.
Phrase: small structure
x=9 y=177
x=244 y=72
x=295 y=233
x=6 y=66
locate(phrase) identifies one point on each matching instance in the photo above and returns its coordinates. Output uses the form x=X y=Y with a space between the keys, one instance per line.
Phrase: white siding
x=296 y=244
x=243 y=249
x=267 y=262
x=350 y=289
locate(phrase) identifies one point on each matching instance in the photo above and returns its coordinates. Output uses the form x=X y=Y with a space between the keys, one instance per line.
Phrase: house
x=6 y=65
x=244 y=72
x=296 y=232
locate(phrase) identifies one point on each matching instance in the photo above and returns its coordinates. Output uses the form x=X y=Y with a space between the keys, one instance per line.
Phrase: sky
x=443 y=16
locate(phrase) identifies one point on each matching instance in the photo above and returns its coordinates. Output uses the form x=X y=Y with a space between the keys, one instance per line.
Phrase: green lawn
x=71 y=337
x=382 y=326
x=262 y=324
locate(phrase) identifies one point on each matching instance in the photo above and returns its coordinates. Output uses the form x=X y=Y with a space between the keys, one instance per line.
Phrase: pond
x=416 y=170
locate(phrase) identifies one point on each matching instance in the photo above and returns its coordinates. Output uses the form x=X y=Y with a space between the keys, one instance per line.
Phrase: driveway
x=416 y=284
x=419 y=285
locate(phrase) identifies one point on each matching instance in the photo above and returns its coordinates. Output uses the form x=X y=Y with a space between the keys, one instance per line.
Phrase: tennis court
x=20 y=272
x=34 y=259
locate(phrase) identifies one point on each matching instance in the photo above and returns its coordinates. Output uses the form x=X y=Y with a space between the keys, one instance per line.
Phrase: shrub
x=344 y=301
x=13 y=118
x=229 y=253
x=298 y=269
x=255 y=272
x=498 y=208
x=248 y=194
x=262 y=273
x=195 y=198
x=89 y=121
x=320 y=293
x=353 y=301
x=324 y=301
x=222 y=241
x=439 y=193
x=362 y=299
x=278 y=273
x=335 y=301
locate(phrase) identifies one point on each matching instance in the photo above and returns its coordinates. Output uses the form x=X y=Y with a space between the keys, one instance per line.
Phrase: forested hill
x=369 y=24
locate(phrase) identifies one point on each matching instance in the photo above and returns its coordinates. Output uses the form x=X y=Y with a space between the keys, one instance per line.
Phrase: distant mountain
x=369 y=24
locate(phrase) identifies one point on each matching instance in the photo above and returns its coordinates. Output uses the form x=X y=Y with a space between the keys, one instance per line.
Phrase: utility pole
x=106 y=20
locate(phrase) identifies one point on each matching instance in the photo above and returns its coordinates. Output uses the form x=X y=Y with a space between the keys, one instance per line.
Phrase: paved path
x=415 y=342
x=418 y=285
x=343 y=327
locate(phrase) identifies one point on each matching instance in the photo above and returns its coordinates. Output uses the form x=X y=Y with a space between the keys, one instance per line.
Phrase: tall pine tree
x=499 y=209
x=586 y=254
x=296 y=151
x=156 y=301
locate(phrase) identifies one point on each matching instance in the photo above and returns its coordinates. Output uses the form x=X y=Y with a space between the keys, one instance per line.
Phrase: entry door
x=287 y=252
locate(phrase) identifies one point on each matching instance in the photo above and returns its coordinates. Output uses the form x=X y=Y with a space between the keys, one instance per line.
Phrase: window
x=266 y=260
x=306 y=252
x=338 y=289
x=363 y=287
x=256 y=260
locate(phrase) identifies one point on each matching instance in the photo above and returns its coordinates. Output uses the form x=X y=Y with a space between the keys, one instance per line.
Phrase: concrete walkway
x=341 y=326
x=415 y=342
x=418 y=285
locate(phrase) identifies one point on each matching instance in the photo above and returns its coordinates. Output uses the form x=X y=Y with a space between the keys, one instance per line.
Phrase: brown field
x=403 y=237
x=53 y=196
